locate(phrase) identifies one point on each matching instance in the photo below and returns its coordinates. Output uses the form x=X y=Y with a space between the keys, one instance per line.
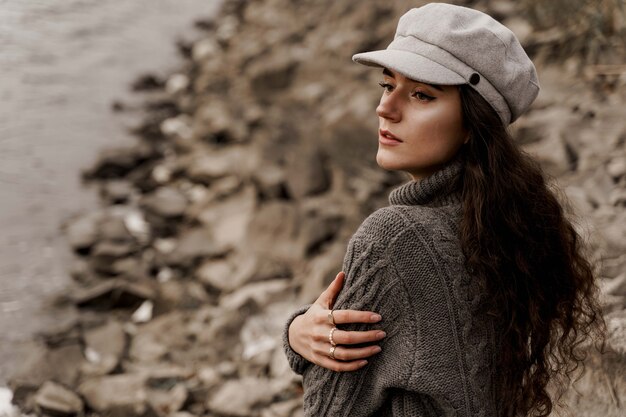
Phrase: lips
x=387 y=134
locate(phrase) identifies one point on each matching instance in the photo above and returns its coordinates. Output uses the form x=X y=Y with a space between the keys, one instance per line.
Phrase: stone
x=118 y=162
x=271 y=75
x=205 y=168
x=306 y=173
x=104 y=348
x=216 y=122
x=55 y=399
x=270 y=182
x=193 y=246
x=176 y=83
x=161 y=336
x=273 y=230
x=229 y=218
x=121 y=395
x=616 y=286
x=228 y=274
x=282 y=409
x=41 y=363
x=82 y=233
x=316 y=229
x=261 y=294
x=166 y=202
x=167 y=401
x=115 y=293
x=241 y=397
x=116 y=191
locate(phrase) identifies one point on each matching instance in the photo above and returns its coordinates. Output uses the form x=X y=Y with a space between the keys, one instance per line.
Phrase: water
x=62 y=62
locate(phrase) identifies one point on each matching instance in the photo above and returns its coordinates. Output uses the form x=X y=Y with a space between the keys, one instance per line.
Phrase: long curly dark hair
x=532 y=264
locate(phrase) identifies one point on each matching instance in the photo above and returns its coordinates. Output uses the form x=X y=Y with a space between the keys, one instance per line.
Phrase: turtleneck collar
x=438 y=189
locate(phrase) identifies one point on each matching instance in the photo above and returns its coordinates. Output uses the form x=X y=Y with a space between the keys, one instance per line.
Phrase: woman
x=479 y=278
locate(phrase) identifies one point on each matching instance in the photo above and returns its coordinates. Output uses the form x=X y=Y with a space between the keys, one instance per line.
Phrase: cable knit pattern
x=405 y=262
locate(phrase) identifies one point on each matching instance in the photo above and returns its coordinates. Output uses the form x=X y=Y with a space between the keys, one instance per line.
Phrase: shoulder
x=389 y=223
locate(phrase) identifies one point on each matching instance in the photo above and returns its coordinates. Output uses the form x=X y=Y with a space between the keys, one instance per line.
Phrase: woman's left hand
x=310 y=333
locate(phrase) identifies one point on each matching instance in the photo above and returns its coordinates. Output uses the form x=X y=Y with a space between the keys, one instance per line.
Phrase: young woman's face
x=426 y=120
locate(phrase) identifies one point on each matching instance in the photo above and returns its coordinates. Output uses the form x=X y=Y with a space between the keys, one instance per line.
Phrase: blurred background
x=176 y=177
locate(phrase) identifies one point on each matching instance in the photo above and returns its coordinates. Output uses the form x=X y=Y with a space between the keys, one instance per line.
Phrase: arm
x=305 y=334
x=363 y=392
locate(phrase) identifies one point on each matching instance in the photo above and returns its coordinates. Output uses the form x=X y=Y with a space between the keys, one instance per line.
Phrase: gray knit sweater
x=438 y=359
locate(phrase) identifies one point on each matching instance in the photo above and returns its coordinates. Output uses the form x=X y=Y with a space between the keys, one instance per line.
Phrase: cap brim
x=411 y=65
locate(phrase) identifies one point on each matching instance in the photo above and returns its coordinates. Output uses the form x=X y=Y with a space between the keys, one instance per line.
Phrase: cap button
x=474 y=79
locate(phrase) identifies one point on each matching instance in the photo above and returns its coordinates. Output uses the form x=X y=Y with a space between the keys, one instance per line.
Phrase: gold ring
x=331 y=352
x=331 y=319
x=330 y=337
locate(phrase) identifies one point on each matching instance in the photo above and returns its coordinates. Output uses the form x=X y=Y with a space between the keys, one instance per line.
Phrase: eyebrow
x=390 y=74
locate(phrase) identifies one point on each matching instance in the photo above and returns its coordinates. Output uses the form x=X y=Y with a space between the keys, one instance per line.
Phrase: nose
x=388 y=107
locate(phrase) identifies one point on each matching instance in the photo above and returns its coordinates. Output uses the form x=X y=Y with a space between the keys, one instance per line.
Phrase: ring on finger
x=331 y=352
x=330 y=337
x=331 y=318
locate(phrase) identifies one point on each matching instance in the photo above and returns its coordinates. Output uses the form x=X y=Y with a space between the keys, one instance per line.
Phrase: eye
x=386 y=86
x=422 y=97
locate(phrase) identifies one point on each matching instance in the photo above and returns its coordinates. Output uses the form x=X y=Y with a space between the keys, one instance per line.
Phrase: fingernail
x=363 y=363
x=377 y=349
x=376 y=317
x=380 y=335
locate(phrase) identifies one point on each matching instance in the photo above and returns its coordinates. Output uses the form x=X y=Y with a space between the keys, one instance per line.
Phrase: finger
x=330 y=293
x=355 y=316
x=339 y=366
x=351 y=354
x=342 y=337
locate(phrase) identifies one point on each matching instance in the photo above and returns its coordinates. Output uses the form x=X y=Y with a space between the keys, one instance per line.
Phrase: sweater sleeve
x=296 y=361
x=373 y=286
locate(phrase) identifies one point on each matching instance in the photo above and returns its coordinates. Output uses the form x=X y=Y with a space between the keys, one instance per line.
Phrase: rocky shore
x=233 y=204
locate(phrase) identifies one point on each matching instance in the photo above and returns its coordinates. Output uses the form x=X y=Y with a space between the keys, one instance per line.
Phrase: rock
x=158 y=337
x=282 y=409
x=218 y=123
x=167 y=401
x=147 y=82
x=226 y=275
x=272 y=74
x=307 y=173
x=193 y=246
x=106 y=253
x=116 y=191
x=617 y=285
x=55 y=399
x=166 y=202
x=240 y=398
x=115 y=293
x=260 y=294
x=121 y=395
x=205 y=48
x=60 y=364
x=617 y=167
x=208 y=167
x=104 y=347
x=176 y=83
x=229 y=218
x=270 y=182
x=273 y=230
x=179 y=130
x=554 y=153
x=118 y=162
x=82 y=233
x=316 y=229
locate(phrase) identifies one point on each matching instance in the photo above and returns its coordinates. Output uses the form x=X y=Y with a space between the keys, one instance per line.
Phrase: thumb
x=328 y=297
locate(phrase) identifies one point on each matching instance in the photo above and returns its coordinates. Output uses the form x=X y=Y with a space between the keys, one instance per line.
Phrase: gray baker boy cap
x=446 y=44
